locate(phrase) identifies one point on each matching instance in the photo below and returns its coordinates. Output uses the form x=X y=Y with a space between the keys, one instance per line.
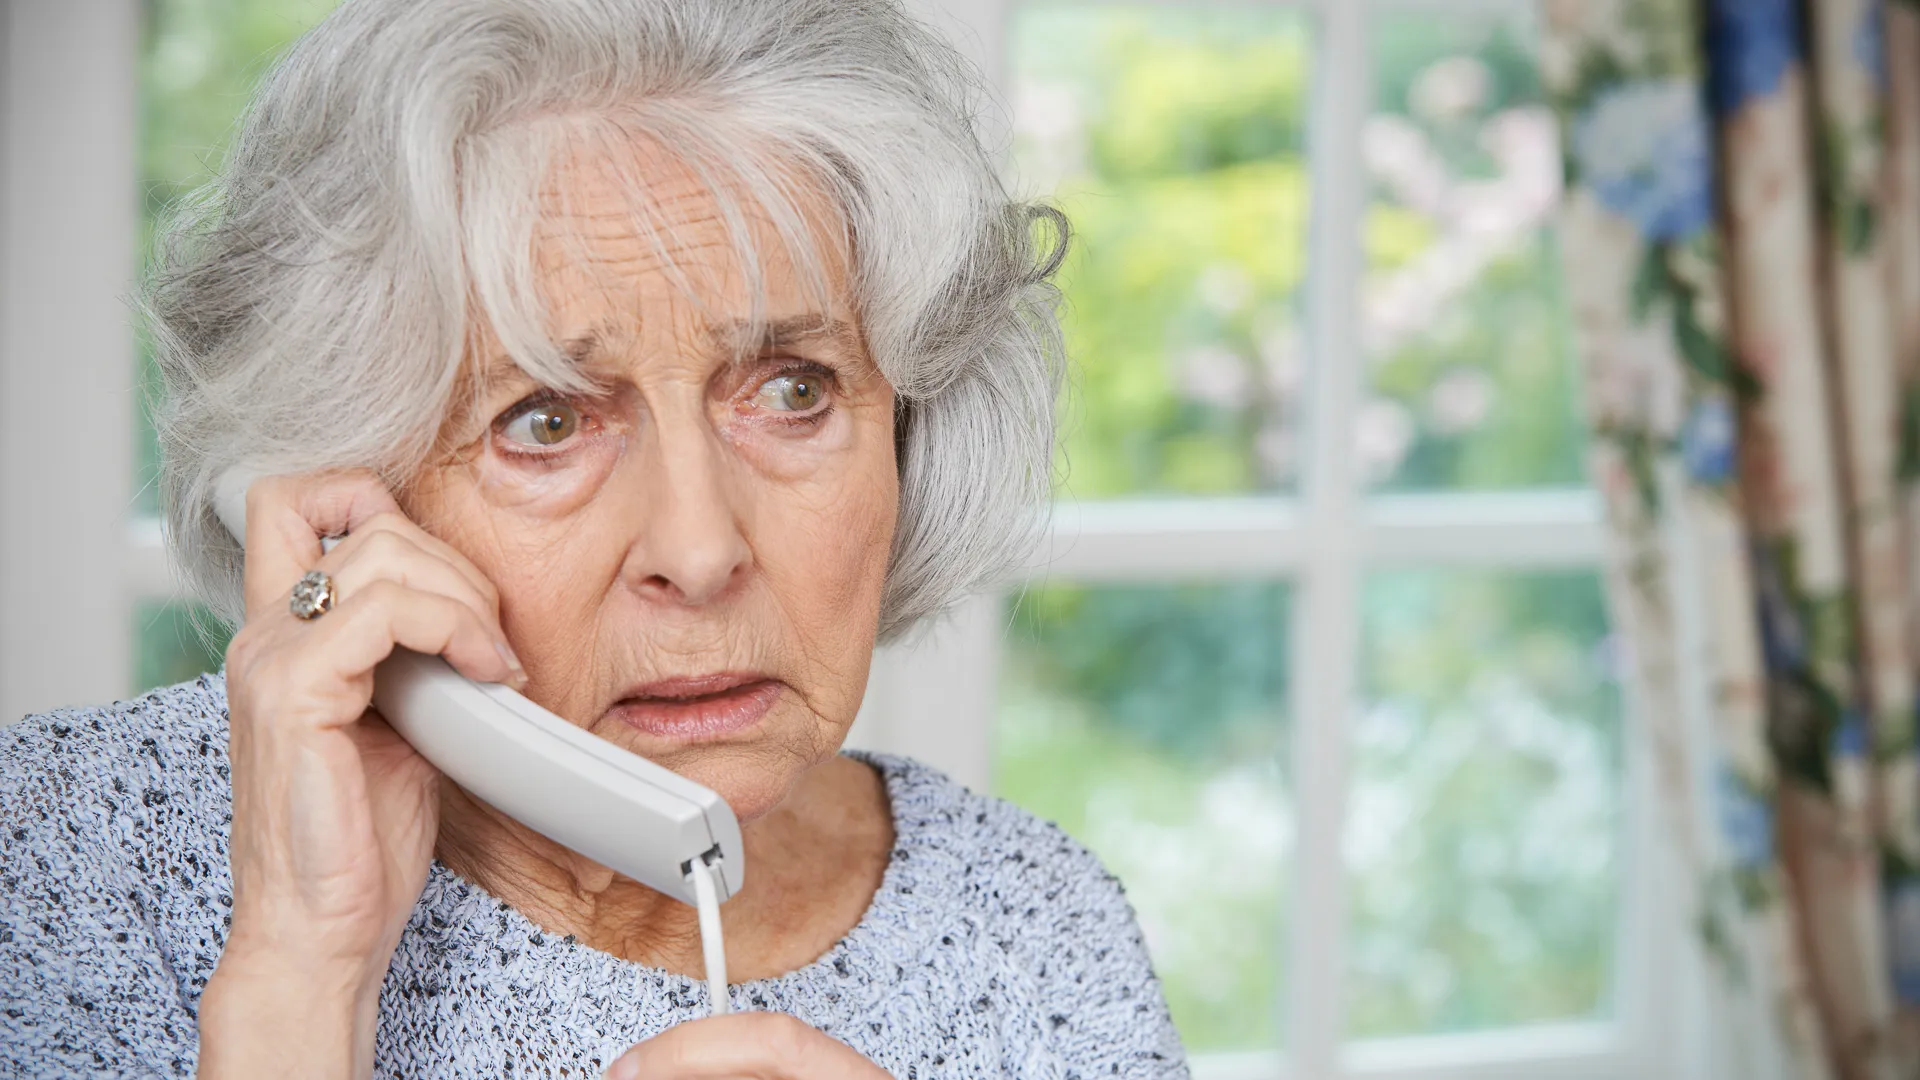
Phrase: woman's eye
x=790 y=393
x=545 y=424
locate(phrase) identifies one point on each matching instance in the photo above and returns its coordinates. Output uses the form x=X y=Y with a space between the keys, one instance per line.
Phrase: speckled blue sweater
x=995 y=946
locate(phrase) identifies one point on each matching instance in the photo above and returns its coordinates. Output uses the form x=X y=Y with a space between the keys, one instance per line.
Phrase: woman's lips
x=705 y=707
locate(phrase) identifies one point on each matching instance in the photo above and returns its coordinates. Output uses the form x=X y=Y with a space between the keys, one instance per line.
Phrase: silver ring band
x=313 y=595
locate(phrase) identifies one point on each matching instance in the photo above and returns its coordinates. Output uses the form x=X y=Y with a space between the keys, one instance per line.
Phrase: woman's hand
x=744 y=1046
x=334 y=815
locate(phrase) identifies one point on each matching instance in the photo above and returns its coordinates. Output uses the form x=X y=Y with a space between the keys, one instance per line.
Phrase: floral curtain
x=1742 y=238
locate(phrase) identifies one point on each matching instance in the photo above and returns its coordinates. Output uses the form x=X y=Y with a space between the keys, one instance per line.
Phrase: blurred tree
x=1172 y=139
x=1471 y=373
x=1484 y=819
x=175 y=644
x=1184 y=672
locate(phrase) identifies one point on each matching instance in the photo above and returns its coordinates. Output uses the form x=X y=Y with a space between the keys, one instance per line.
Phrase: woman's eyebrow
x=742 y=337
x=581 y=350
x=737 y=338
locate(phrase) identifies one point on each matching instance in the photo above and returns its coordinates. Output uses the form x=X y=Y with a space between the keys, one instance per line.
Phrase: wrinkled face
x=690 y=557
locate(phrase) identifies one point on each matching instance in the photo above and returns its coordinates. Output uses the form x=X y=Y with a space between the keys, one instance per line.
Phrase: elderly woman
x=655 y=357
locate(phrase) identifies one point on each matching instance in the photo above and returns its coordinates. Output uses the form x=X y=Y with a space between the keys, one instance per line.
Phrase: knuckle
x=384 y=547
x=392 y=599
x=394 y=524
x=387 y=522
x=267 y=491
x=383 y=593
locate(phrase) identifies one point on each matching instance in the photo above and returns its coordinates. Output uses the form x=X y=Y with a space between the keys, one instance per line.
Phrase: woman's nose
x=691 y=546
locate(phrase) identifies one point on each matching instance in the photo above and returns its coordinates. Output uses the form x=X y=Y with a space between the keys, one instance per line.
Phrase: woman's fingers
x=399 y=526
x=382 y=552
x=755 y=1046
x=364 y=629
x=321 y=672
x=287 y=516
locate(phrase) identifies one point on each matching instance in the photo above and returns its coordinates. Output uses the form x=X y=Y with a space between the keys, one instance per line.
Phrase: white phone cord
x=708 y=897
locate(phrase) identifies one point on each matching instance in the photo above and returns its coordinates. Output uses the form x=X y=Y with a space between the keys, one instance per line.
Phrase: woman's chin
x=754 y=785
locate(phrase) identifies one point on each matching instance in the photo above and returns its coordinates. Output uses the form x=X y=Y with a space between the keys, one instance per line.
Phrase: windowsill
x=1128 y=539
x=1570 y=1051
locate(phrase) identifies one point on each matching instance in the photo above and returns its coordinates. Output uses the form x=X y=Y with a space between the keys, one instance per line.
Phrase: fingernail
x=624 y=1069
x=516 y=674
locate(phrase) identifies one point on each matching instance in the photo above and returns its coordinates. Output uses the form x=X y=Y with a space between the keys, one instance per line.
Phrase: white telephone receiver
x=579 y=790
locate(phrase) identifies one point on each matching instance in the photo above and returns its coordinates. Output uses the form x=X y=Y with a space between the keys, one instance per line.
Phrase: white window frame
x=74 y=559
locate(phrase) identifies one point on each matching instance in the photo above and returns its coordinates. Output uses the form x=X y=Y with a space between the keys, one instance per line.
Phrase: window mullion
x=1327 y=620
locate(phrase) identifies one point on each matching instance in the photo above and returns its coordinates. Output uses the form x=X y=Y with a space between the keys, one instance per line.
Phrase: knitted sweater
x=995 y=946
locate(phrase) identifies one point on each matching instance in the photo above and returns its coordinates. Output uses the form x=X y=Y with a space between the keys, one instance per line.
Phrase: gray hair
x=315 y=301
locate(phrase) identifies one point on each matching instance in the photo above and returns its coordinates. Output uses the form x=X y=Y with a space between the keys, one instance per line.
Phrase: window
x=1315 y=656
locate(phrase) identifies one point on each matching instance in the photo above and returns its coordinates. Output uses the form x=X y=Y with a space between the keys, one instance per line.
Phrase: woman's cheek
x=552 y=487
x=782 y=451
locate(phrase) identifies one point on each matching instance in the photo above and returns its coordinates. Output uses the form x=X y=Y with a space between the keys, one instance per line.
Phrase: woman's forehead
x=634 y=250
x=628 y=205
x=625 y=228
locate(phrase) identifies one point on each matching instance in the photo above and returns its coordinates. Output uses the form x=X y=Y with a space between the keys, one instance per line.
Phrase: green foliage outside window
x=1470 y=367
x=1150 y=723
x=1482 y=831
x=1484 y=812
x=1173 y=141
x=174 y=643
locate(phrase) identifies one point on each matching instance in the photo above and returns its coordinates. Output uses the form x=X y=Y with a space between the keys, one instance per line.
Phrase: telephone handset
x=577 y=789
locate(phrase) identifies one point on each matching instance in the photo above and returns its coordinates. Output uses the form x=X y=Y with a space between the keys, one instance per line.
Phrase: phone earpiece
x=230 y=500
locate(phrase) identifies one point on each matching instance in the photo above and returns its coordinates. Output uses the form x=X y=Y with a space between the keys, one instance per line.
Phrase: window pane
x=198 y=64
x=174 y=643
x=1464 y=319
x=1484 y=829
x=1149 y=722
x=1172 y=138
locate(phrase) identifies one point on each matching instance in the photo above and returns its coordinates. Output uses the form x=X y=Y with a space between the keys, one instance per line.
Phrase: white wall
x=68 y=226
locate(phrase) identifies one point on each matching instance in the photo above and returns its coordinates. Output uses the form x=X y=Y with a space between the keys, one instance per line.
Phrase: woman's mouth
x=699 y=707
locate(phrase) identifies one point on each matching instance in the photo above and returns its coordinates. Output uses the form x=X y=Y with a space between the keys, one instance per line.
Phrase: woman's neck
x=813 y=865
